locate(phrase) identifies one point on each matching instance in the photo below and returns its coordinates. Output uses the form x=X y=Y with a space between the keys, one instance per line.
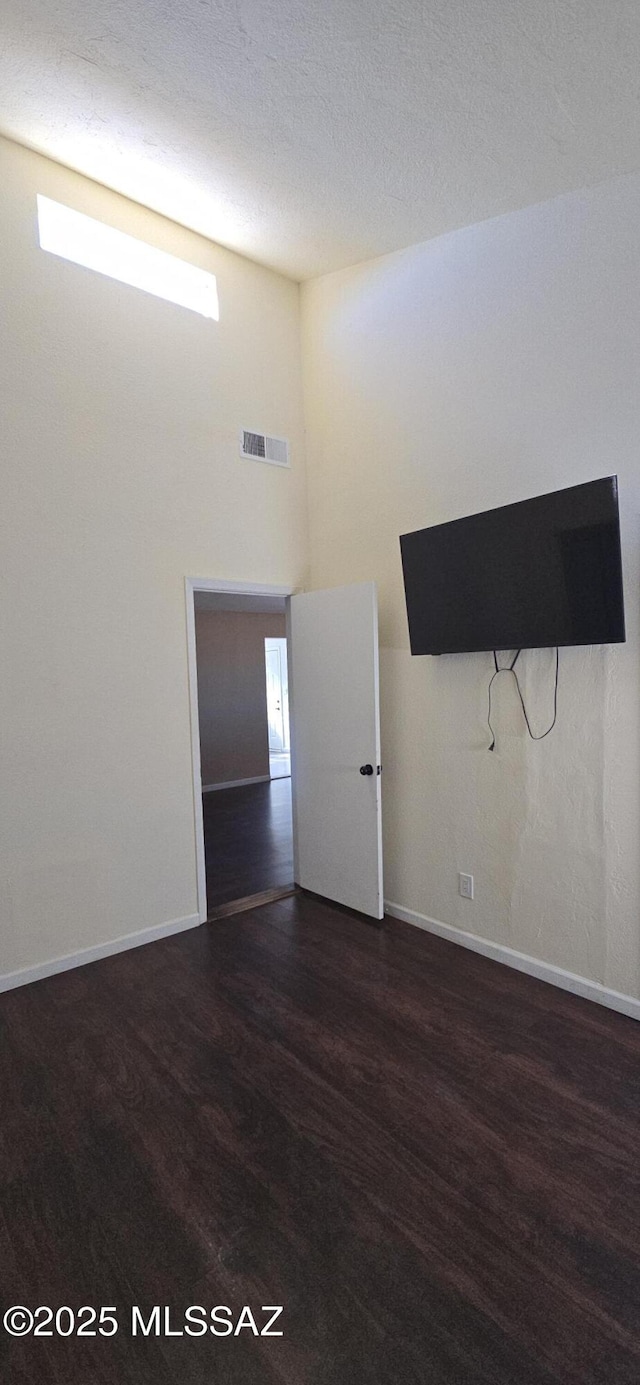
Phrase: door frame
x=191 y=586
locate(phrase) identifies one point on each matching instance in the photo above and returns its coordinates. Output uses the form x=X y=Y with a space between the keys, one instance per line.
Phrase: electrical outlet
x=465 y=886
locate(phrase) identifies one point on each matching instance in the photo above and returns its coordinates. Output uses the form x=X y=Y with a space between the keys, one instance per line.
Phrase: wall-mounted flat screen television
x=543 y=572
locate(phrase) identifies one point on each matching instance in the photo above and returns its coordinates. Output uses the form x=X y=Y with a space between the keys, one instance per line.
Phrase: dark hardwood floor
x=431 y=1161
x=248 y=840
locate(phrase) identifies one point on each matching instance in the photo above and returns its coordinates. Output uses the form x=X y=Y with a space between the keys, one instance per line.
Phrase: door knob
x=366 y=769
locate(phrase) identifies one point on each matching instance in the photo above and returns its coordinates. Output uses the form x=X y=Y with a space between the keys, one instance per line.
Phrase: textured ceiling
x=313 y=135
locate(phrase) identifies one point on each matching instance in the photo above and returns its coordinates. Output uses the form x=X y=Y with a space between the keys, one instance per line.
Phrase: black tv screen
x=539 y=573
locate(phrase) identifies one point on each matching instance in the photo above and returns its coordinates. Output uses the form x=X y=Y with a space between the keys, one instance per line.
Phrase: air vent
x=260 y=447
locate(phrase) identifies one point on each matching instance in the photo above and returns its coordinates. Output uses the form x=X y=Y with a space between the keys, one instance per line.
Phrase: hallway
x=248 y=840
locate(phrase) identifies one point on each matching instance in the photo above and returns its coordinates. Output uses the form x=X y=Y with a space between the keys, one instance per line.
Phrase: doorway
x=277 y=680
x=239 y=697
x=333 y=823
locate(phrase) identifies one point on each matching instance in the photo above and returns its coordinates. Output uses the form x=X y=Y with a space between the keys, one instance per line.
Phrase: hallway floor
x=248 y=840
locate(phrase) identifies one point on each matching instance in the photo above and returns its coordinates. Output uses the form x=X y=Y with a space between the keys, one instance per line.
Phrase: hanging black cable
x=510 y=668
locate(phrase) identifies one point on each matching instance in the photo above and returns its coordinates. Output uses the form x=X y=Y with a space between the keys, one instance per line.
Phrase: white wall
x=119 y=418
x=479 y=369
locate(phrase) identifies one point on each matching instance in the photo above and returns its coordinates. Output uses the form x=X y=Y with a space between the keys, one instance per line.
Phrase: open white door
x=334 y=690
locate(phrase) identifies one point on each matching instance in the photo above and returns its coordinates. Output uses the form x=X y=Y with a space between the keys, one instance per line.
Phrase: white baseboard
x=26 y=975
x=520 y=961
x=236 y=783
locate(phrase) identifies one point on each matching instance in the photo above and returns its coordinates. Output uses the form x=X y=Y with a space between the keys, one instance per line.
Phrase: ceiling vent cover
x=261 y=447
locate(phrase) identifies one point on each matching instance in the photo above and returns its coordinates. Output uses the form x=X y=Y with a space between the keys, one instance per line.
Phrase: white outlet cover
x=465 y=885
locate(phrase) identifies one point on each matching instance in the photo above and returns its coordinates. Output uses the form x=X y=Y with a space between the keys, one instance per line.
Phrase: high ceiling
x=310 y=135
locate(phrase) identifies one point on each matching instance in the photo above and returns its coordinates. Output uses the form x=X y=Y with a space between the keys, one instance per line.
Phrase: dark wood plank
x=430 y=1160
x=248 y=841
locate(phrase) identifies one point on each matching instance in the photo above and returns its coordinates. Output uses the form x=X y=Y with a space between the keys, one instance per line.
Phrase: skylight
x=79 y=238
